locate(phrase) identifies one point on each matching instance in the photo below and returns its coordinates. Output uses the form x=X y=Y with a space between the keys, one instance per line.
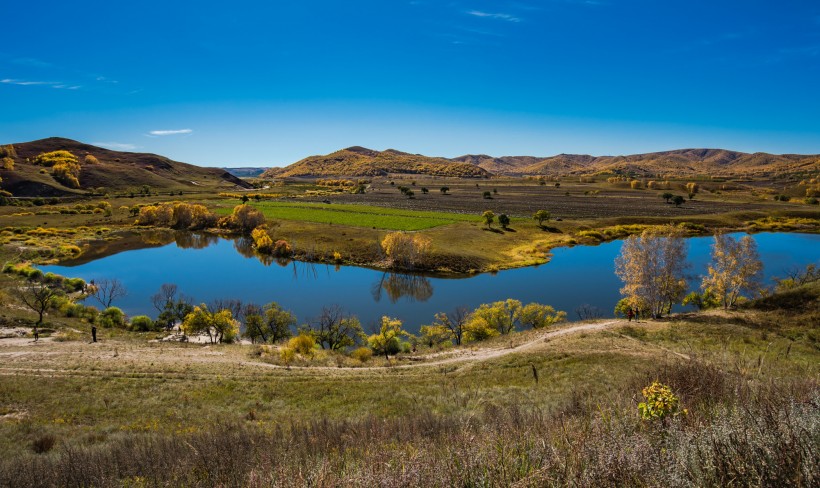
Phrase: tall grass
x=738 y=433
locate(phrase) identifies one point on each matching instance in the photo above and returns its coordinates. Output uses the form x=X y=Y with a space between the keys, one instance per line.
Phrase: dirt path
x=465 y=355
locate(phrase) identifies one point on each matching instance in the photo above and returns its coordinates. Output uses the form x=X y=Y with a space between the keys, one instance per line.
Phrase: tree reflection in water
x=191 y=240
x=414 y=287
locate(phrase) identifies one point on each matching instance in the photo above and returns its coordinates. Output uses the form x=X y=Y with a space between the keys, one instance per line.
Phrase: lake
x=207 y=268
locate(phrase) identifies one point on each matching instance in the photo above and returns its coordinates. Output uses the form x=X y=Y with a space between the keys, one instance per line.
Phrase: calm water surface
x=210 y=268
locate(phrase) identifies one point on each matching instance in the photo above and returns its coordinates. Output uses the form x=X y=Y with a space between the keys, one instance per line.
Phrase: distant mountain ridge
x=115 y=170
x=360 y=161
x=246 y=172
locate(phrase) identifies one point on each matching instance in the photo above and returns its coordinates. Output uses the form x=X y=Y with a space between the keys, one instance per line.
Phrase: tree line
x=653 y=268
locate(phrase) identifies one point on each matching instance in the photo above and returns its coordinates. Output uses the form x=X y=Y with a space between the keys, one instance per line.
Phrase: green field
x=355 y=215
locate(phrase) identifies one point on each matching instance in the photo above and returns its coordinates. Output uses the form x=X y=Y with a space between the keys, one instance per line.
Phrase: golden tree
x=652 y=268
x=735 y=268
x=405 y=250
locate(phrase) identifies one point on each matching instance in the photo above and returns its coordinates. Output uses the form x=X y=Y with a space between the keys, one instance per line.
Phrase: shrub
x=261 y=240
x=142 y=323
x=43 y=444
x=287 y=354
x=362 y=354
x=405 y=250
x=303 y=344
x=661 y=403
x=74 y=284
x=111 y=317
x=282 y=248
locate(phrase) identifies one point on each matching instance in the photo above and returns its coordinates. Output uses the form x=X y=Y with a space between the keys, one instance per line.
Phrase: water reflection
x=575 y=276
x=397 y=285
x=191 y=240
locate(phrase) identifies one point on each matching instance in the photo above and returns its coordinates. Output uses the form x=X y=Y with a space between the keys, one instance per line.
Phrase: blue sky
x=268 y=83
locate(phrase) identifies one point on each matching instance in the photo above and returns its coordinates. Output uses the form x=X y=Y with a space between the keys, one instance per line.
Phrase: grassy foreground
x=561 y=411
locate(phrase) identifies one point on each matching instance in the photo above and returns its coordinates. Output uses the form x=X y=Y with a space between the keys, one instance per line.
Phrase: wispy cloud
x=10 y=81
x=170 y=132
x=489 y=15
x=119 y=146
x=53 y=84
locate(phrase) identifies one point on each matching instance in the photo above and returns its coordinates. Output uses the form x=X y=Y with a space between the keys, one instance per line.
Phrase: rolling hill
x=112 y=170
x=359 y=161
x=682 y=162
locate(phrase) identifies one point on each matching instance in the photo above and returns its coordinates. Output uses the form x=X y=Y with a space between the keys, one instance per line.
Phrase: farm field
x=353 y=215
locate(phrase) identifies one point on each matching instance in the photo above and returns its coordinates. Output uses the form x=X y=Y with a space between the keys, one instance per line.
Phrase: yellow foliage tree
x=735 y=268
x=220 y=326
x=405 y=250
x=244 y=218
x=652 y=268
x=261 y=240
x=538 y=316
x=67 y=173
x=388 y=340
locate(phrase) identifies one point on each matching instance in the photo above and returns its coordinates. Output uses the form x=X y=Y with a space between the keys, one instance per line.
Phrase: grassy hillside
x=359 y=161
x=112 y=170
x=556 y=407
x=690 y=163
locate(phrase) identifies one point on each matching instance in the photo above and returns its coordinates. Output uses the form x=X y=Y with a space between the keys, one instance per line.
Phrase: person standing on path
x=93 y=333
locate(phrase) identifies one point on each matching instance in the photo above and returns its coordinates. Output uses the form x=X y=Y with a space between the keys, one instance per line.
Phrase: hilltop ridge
x=361 y=161
x=114 y=170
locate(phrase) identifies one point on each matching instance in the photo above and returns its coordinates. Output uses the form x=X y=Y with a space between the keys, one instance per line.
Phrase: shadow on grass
x=554 y=230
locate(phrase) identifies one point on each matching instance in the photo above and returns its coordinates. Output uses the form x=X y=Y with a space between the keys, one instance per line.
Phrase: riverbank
x=93 y=400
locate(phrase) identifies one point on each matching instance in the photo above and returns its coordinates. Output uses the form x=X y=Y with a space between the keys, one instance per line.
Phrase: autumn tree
x=405 y=250
x=262 y=240
x=492 y=319
x=335 y=330
x=452 y=324
x=538 y=316
x=692 y=188
x=244 y=218
x=652 y=268
x=388 y=340
x=540 y=216
x=106 y=291
x=488 y=217
x=434 y=335
x=277 y=322
x=735 y=268
x=219 y=326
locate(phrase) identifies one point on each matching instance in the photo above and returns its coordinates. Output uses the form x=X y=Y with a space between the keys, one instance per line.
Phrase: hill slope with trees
x=57 y=166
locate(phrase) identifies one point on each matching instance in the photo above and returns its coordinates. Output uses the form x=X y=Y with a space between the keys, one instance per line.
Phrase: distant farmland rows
x=355 y=215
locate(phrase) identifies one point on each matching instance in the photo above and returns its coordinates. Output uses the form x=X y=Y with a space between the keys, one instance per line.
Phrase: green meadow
x=355 y=215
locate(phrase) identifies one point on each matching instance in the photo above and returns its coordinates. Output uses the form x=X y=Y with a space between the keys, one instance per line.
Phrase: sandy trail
x=465 y=356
